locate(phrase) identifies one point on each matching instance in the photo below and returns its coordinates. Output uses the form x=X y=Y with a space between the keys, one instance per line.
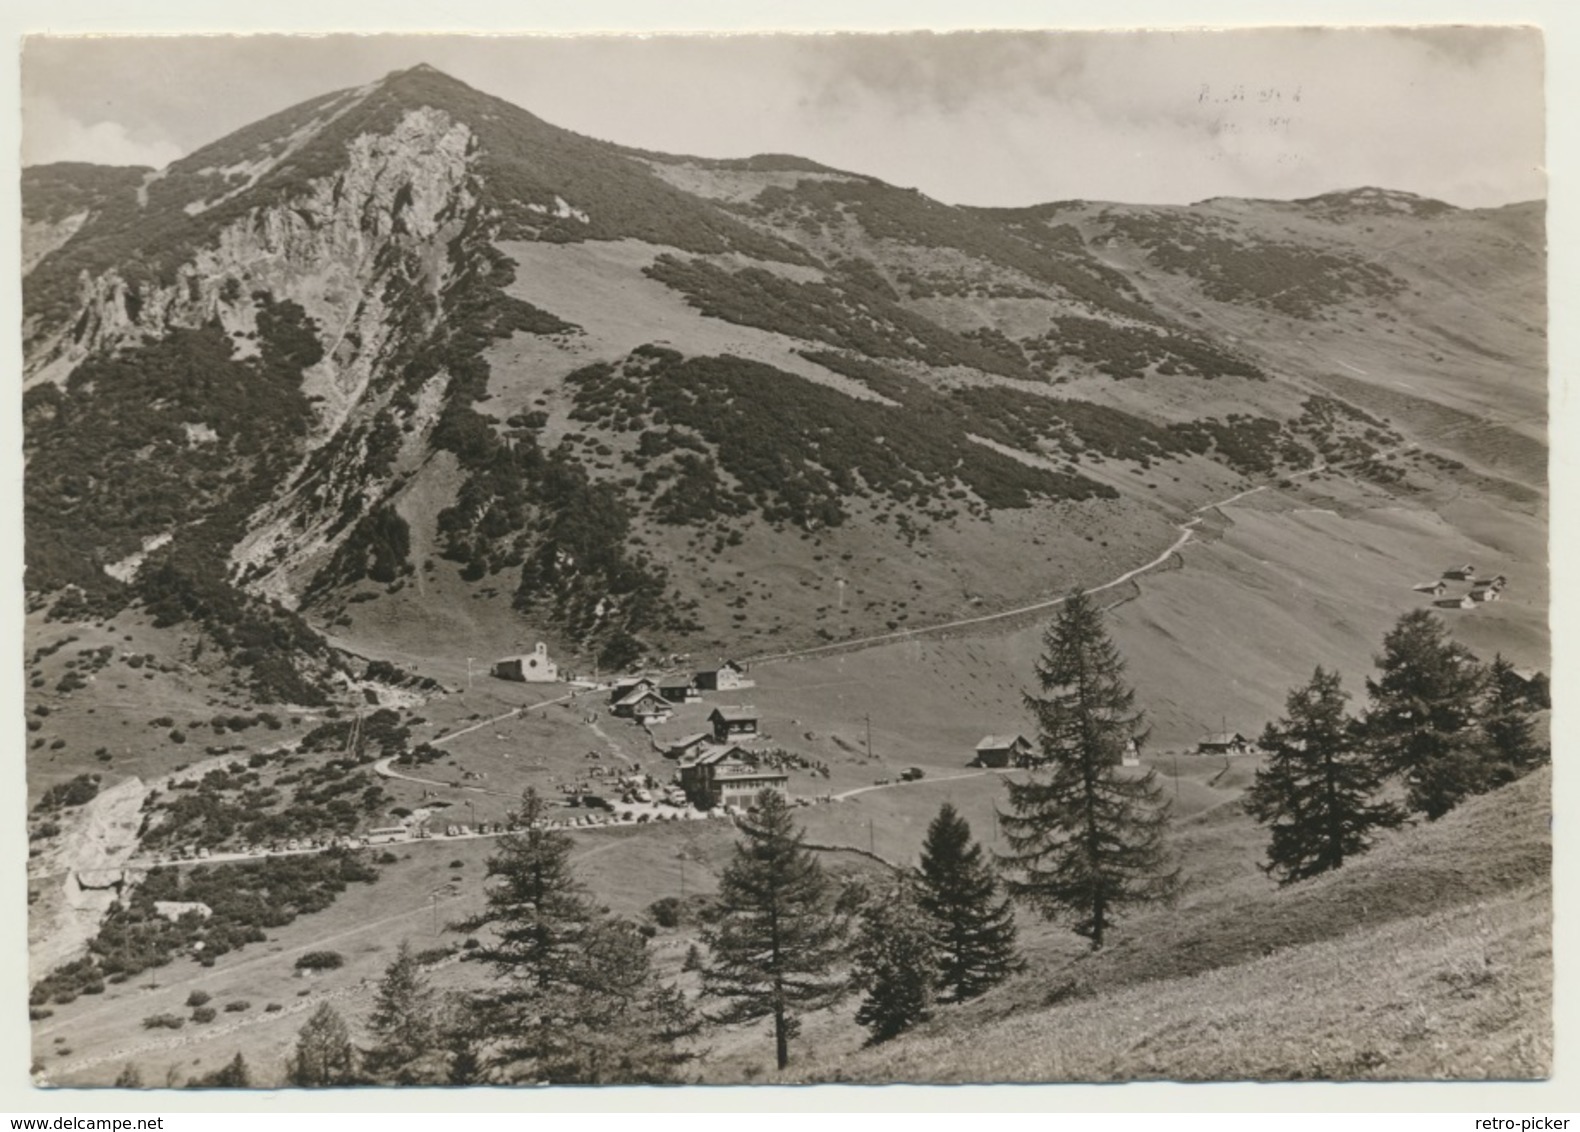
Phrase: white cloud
x=50 y=134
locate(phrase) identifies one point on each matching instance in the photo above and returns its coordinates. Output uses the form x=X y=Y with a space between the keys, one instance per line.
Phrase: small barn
x=687 y=747
x=1486 y=593
x=680 y=691
x=1460 y=573
x=1002 y=751
x=727 y=677
x=733 y=722
x=626 y=685
x=1464 y=602
x=1436 y=589
x=643 y=705
x=533 y=668
x=1224 y=743
x=728 y=777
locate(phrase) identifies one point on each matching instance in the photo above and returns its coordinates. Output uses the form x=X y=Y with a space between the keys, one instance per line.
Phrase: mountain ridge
x=445 y=373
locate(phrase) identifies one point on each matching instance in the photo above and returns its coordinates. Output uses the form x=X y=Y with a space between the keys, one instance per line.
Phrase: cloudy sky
x=977 y=118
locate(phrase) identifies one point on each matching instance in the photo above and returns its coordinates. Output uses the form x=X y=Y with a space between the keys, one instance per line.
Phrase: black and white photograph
x=958 y=557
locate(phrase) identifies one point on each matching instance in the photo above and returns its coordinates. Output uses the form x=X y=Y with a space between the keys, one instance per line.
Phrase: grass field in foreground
x=1461 y=994
x=1429 y=957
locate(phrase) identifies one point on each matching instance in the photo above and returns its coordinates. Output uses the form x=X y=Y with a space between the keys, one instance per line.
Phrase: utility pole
x=872 y=845
x=868 y=718
x=434 y=899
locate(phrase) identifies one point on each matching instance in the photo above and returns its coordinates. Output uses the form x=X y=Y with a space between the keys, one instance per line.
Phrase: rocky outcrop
x=358 y=250
x=325 y=249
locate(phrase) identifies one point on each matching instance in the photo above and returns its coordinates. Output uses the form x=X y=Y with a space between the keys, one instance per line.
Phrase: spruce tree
x=895 y=963
x=1086 y=839
x=539 y=913
x=778 y=943
x=575 y=1000
x=619 y=1025
x=323 y=1056
x=974 y=930
x=539 y=916
x=233 y=1075
x=1422 y=722
x=1317 y=792
x=463 y=1024
x=1508 y=727
x=404 y=1023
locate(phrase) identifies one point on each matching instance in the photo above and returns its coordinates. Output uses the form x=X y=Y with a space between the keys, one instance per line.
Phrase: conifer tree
x=974 y=929
x=1508 y=728
x=895 y=963
x=404 y=1023
x=1317 y=792
x=1422 y=722
x=778 y=945
x=324 y=1056
x=575 y=1001
x=1086 y=839
x=539 y=916
x=130 y=1077
x=463 y=1024
x=233 y=1075
x=619 y=1025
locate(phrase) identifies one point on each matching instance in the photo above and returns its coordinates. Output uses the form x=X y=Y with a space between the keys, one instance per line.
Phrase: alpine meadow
x=510 y=607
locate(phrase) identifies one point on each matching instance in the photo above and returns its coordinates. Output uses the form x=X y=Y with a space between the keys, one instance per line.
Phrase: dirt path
x=511 y=714
x=1187 y=532
x=912 y=782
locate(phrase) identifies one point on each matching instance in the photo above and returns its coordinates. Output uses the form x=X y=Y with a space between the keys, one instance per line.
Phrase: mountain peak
x=423 y=73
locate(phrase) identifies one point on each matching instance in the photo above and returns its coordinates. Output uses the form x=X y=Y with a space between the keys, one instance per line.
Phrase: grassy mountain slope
x=483 y=257
x=1429 y=957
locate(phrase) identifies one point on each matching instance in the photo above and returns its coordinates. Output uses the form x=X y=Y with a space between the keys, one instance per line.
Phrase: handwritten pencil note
x=1252 y=122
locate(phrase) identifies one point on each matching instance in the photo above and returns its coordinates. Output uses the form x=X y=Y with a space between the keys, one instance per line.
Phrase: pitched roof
x=999 y=742
x=1223 y=739
x=732 y=714
x=689 y=741
x=714 y=757
x=636 y=697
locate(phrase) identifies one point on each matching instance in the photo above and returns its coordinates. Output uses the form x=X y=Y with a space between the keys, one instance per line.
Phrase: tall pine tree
x=777 y=948
x=1086 y=839
x=619 y=1025
x=1317 y=792
x=1508 y=726
x=896 y=963
x=575 y=1001
x=404 y=1025
x=974 y=929
x=324 y=1056
x=1422 y=722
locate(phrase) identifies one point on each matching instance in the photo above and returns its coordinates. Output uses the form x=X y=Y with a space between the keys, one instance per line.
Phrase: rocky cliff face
x=330 y=249
x=380 y=226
